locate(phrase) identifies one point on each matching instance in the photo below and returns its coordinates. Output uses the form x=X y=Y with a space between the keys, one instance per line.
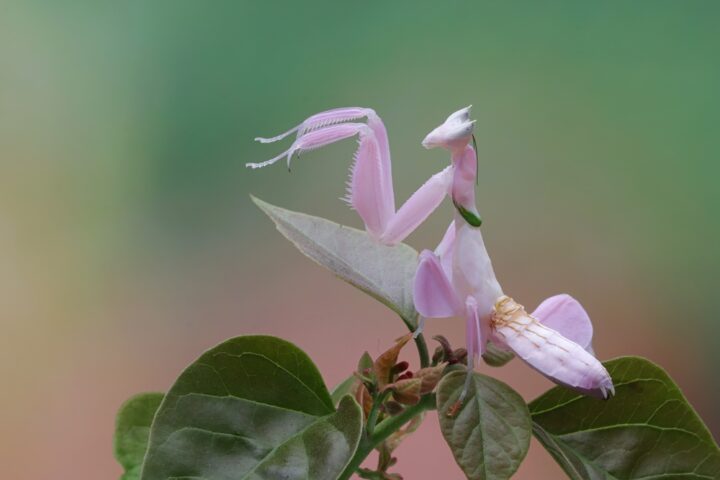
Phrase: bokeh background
x=128 y=243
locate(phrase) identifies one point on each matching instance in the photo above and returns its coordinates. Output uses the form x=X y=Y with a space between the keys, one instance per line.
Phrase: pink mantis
x=457 y=279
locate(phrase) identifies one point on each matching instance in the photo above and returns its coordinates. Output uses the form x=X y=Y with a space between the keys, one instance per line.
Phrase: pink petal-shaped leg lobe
x=566 y=316
x=547 y=351
x=433 y=294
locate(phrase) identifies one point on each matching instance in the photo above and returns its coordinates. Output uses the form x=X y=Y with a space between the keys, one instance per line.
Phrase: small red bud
x=459 y=356
x=405 y=376
x=400 y=367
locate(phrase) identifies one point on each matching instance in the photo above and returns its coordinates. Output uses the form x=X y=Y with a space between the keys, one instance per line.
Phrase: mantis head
x=454 y=134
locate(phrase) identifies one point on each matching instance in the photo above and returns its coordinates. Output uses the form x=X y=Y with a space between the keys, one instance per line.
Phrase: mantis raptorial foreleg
x=370 y=189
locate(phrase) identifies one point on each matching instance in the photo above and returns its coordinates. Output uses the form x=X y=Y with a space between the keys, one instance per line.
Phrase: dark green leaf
x=132 y=427
x=251 y=408
x=647 y=431
x=385 y=273
x=490 y=433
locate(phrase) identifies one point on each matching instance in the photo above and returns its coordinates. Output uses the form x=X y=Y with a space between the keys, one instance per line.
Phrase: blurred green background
x=128 y=243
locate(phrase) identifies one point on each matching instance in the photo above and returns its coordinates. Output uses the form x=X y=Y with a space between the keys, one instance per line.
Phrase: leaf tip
x=261 y=204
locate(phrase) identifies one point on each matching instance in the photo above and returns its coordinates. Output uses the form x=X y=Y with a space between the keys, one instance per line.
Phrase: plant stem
x=411 y=324
x=384 y=429
x=375 y=411
x=422 y=351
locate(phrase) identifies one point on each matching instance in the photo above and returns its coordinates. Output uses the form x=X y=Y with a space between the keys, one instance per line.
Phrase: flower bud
x=405 y=376
x=399 y=367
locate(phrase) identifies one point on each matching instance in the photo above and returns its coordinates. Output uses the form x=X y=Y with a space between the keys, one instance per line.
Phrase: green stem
x=419 y=341
x=422 y=351
x=375 y=410
x=383 y=430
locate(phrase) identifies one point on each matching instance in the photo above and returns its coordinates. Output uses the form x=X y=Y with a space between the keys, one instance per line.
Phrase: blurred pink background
x=129 y=245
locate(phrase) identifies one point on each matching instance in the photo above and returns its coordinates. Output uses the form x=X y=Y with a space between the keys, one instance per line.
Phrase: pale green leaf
x=385 y=273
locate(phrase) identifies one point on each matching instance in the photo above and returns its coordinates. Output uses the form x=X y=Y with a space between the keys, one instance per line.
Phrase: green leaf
x=490 y=434
x=343 y=388
x=132 y=427
x=648 y=430
x=385 y=273
x=255 y=408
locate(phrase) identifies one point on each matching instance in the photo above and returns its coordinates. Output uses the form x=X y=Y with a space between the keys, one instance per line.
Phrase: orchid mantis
x=457 y=279
x=370 y=188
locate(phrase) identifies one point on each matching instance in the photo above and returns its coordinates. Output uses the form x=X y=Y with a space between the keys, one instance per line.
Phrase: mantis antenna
x=477 y=161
